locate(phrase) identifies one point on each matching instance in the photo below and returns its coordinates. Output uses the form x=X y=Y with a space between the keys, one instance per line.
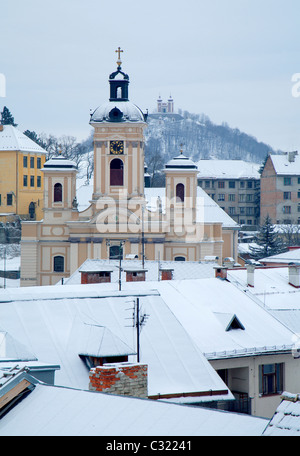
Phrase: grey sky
x=230 y=59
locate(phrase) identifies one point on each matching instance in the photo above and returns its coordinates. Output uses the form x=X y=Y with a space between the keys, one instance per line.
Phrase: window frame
x=58 y=267
x=271 y=383
x=57 y=193
x=9 y=199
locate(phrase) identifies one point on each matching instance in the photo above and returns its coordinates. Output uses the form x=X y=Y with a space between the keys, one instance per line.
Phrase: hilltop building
x=121 y=217
x=21 y=181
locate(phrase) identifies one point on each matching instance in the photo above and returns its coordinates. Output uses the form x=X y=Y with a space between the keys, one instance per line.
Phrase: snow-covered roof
x=283 y=166
x=208 y=211
x=198 y=307
x=13 y=139
x=227 y=169
x=207 y=319
x=286 y=420
x=52 y=322
x=292 y=256
x=181 y=162
x=181 y=269
x=272 y=289
x=131 y=112
x=60 y=162
x=57 y=411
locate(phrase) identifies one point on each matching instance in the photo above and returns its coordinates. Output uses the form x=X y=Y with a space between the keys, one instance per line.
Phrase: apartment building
x=234 y=185
x=280 y=188
x=21 y=179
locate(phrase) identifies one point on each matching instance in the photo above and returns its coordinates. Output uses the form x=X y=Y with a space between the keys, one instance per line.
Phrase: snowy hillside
x=201 y=139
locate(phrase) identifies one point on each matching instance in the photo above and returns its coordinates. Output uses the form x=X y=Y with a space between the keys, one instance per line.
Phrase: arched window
x=119 y=92
x=179 y=258
x=115 y=252
x=179 y=193
x=58 y=263
x=57 y=193
x=116 y=172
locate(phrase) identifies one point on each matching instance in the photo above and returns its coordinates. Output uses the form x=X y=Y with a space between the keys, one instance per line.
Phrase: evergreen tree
x=7 y=118
x=267 y=240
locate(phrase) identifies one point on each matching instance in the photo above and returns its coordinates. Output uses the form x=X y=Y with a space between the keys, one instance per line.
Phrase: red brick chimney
x=135 y=274
x=221 y=272
x=124 y=379
x=166 y=273
x=96 y=277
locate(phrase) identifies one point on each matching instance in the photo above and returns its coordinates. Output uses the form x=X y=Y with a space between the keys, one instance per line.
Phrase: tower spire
x=119 y=62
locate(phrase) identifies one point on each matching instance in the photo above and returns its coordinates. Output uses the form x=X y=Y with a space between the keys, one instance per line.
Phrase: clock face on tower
x=116 y=147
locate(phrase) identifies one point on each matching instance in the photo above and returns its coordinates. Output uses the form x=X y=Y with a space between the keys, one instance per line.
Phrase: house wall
x=243 y=376
x=13 y=172
x=240 y=202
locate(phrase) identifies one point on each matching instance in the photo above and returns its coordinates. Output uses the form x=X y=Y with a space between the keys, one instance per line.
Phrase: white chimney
x=294 y=276
x=292 y=156
x=250 y=275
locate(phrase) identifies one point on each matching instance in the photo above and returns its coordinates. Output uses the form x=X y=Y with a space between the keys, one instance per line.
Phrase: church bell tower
x=118 y=142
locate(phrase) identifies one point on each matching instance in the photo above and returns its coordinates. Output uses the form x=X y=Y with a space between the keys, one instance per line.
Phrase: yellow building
x=122 y=217
x=21 y=179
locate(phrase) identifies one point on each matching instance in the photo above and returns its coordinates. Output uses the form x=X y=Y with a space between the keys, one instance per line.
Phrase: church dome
x=118 y=111
x=181 y=162
x=118 y=108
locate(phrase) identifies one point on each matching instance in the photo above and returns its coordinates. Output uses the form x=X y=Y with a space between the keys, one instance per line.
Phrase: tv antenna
x=138 y=321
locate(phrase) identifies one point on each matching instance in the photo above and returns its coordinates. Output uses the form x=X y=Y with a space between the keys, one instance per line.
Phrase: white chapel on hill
x=179 y=222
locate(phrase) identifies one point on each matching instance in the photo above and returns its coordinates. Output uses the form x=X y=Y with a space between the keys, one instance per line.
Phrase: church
x=123 y=218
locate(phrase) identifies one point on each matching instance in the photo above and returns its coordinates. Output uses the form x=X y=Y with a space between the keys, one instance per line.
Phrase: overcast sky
x=232 y=60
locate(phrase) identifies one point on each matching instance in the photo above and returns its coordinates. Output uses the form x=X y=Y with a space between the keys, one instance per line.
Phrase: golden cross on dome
x=119 y=50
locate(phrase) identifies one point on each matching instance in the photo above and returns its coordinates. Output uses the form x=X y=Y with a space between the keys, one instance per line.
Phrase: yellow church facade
x=179 y=222
x=21 y=178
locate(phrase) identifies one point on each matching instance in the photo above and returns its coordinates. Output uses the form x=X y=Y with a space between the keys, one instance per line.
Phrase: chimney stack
x=135 y=274
x=166 y=273
x=221 y=272
x=124 y=379
x=292 y=156
x=250 y=275
x=102 y=275
x=294 y=279
x=229 y=262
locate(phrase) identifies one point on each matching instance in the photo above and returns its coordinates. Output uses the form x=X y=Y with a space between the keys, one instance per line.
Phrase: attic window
x=229 y=321
x=235 y=324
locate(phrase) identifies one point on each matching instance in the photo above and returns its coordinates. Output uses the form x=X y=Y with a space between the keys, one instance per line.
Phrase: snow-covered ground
x=10 y=262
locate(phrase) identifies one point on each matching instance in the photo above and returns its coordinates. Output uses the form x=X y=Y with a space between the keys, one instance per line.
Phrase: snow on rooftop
x=181 y=269
x=56 y=411
x=292 y=256
x=13 y=139
x=283 y=166
x=276 y=295
x=50 y=320
x=227 y=169
x=208 y=211
x=203 y=319
x=131 y=112
x=286 y=420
